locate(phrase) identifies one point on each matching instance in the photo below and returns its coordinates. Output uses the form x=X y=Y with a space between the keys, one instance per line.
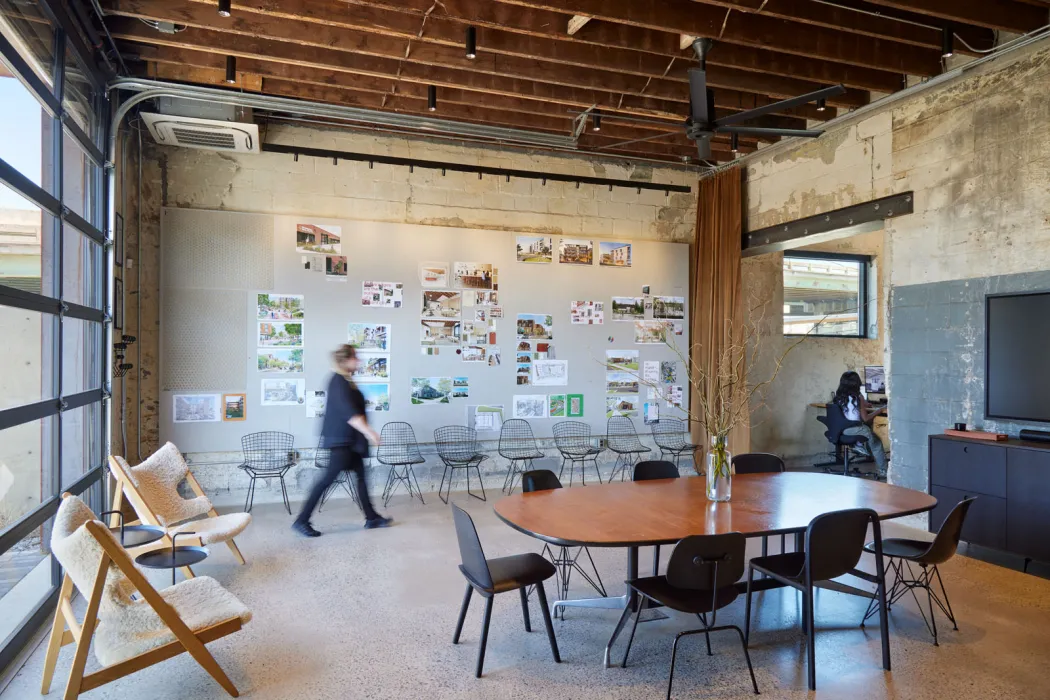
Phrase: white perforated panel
x=216 y=249
x=203 y=333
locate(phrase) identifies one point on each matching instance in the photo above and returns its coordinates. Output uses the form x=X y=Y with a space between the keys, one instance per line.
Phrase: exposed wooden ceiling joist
x=576 y=23
x=1007 y=15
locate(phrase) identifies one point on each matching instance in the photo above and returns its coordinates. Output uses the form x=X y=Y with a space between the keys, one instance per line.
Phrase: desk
x=637 y=514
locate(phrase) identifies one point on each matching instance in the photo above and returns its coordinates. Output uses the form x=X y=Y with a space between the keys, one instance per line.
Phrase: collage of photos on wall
x=280 y=320
x=458 y=311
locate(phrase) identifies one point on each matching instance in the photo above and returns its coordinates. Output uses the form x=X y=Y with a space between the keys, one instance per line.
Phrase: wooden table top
x=626 y=514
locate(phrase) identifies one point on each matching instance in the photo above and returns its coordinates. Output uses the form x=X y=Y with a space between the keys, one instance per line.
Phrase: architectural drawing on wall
x=614 y=254
x=535 y=326
x=668 y=372
x=315 y=403
x=621 y=406
x=369 y=336
x=427 y=390
x=574 y=406
x=283 y=392
x=443 y=304
x=280 y=307
x=233 y=406
x=628 y=308
x=494 y=356
x=388 y=295
x=590 y=313
x=377 y=396
x=651 y=413
x=473 y=353
x=310 y=238
x=651 y=371
x=530 y=405
x=372 y=368
x=550 y=372
x=196 y=408
x=622 y=359
x=556 y=406
x=650 y=332
x=335 y=268
x=668 y=307
x=312 y=263
x=534 y=249
x=280 y=334
x=281 y=361
x=433 y=274
x=460 y=387
x=572 y=251
x=439 y=332
x=485 y=418
x=621 y=383
x=472 y=275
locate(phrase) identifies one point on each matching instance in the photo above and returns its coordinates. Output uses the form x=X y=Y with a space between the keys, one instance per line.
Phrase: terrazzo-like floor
x=370 y=614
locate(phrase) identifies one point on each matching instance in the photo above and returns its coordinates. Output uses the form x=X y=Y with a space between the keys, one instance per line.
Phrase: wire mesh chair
x=399 y=450
x=669 y=436
x=322 y=458
x=623 y=440
x=517 y=444
x=457 y=446
x=267 y=455
x=574 y=441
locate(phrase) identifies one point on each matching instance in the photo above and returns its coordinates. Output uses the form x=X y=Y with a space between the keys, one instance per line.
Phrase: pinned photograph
x=316 y=401
x=475 y=333
x=678 y=327
x=523 y=374
x=668 y=307
x=494 y=356
x=283 y=392
x=377 y=396
x=369 y=336
x=530 y=406
x=473 y=353
x=433 y=274
x=234 y=407
x=575 y=406
x=471 y=275
x=444 y=304
x=535 y=327
x=310 y=238
x=589 y=313
x=651 y=371
x=280 y=334
x=431 y=390
x=668 y=372
x=627 y=308
x=485 y=298
x=481 y=316
x=621 y=406
x=534 y=249
x=335 y=268
x=622 y=359
x=543 y=351
x=288 y=361
x=280 y=307
x=675 y=396
x=388 y=295
x=496 y=312
x=524 y=358
x=439 y=332
x=556 y=406
x=525 y=346
x=196 y=408
x=645 y=290
x=550 y=372
x=621 y=383
x=651 y=413
x=460 y=387
x=372 y=368
x=650 y=332
x=573 y=251
x=312 y=263
x=614 y=254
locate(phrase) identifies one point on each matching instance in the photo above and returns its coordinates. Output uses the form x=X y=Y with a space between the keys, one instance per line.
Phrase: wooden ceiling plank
x=1005 y=15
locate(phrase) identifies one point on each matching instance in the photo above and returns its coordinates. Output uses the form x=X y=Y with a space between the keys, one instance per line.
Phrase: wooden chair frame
x=67 y=630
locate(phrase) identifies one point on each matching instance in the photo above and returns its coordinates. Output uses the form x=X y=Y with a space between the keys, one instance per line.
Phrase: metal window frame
x=862 y=311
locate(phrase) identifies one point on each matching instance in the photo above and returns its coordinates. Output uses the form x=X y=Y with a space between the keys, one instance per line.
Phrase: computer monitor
x=875 y=379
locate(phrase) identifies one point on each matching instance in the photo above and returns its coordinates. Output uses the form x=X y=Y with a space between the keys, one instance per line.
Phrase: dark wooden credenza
x=1011 y=481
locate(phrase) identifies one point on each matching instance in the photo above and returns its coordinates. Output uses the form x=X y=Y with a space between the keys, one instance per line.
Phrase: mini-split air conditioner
x=207 y=126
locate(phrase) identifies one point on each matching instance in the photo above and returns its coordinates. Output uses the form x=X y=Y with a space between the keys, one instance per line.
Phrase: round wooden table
x=636 y=514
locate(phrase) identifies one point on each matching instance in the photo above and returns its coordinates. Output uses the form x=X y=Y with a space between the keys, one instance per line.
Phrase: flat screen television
x=1017 y=357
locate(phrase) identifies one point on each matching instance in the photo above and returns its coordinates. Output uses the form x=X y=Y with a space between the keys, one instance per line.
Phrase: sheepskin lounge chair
x=152 y=489
x=129 y=634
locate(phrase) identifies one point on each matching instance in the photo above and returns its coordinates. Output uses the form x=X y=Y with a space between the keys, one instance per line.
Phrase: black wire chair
x=761 y=463
x=669 y=436
x=457 y=446
x=399 y=450
x=574 y=441
x=518 y=445
x=267 y=455
x=623 y=440
x=322 y=458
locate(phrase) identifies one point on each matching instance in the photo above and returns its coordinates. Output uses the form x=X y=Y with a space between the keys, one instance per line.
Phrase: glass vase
x=719 y=470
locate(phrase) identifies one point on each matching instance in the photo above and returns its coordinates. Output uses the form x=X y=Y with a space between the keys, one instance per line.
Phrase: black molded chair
x=399 y=450
x=651 y=471
x=564 y=560
x=760 y=463
x=492 y=576
x=267 y=455
x=623 y=439
x=518 y=445
x=835 y=422
x=457 y=445
x=322 y=456
x=574 y=441
x=669 y=434
x=701 y=580
x=834 y=545
x=903 y=553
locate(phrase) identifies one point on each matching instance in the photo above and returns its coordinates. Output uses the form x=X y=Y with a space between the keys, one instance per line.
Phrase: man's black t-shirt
x=344 y=402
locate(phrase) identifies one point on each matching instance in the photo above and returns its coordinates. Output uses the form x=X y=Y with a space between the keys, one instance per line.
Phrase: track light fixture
x=231 y=69
x=734 y=144
x=947 y=42
x=822 y=104
x=432 y=98
x=472 y=42
x=224 y=8
x=596 y=122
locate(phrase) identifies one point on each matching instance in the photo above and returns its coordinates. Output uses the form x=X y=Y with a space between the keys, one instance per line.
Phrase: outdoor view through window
x=823 y=296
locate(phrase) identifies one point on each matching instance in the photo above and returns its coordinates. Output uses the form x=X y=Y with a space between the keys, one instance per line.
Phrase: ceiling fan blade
x=698 y=99
x=647 y=138
x=750 y=114
x=703 y=147
x=767 y=131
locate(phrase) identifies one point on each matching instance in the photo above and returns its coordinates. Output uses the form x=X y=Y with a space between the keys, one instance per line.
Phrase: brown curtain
x=716 y=283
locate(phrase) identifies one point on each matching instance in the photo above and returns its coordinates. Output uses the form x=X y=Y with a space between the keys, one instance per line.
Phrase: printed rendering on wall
x=534 y=249
x=621 y=383
x=483 y=298
x=460 y=387
x=675 y=396
x=382 y=294
x=572 y=251
x=628 y=308
x=312 y=263
x=283 y=392
x=575 y=406
x=443 y=304
x=495 y=356
x=651 y=413
x=556 y=406
x=276 y=361
x=196 y=408
x=427 y=390
x=550 y=372
x=280 y=334
x=433 y=274
x=472 y=275
x=668 y=372
x=234 y=407
x=614 y=254
x=377 y=396
x=622 y=359
x=485 y=418
x=310 y=238
x=473 y=353
x=523 y=372
x=280 y=307
x=650 y=332
x=372 y=368
x=590 y=313
x=439 y=332
x=369 y=336
x=530 y=406
x=668 y=307
x=315 y=403
x=535 y=327
x=621 y=406
x=335 y=268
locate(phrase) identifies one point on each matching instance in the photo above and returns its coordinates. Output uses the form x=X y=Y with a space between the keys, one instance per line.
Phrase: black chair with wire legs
x=575 y=443
x=565 y=560
x=761 y=463
x=669 y=435
x=457 y=446
x=651 y=471
x=701 y=580
x=834 y=545
x=517 y=444
x=490 y=577
x=902 y=553
x=399 y=450
x=267 y=455
x=322 y=455
x=622 y=439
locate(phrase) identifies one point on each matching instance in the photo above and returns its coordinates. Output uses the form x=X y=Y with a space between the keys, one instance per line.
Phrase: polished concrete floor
x=370 y=614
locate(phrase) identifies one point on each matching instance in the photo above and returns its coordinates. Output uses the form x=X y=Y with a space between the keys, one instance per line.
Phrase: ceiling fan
x=701 y=126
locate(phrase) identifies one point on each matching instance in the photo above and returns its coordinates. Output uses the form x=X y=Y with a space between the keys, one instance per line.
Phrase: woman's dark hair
x=344 y=352
x=849 y=388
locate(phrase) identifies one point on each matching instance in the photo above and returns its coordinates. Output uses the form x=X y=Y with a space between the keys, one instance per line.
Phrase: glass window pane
x=27 y=235
x=23 y=24
x=81 y=268
x=81 y=442
x=26 y=453
x=27 y=356
x=79 y=177
x=24 y=125
x=78 y=97
x=80 y=355
x=822 y=296
x=25 y=579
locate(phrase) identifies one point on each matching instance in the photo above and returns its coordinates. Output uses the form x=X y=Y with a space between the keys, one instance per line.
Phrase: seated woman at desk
x=856 y=408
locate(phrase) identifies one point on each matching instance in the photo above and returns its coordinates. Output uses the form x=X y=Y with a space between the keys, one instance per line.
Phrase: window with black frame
x=825 y=294
x=52 y=300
